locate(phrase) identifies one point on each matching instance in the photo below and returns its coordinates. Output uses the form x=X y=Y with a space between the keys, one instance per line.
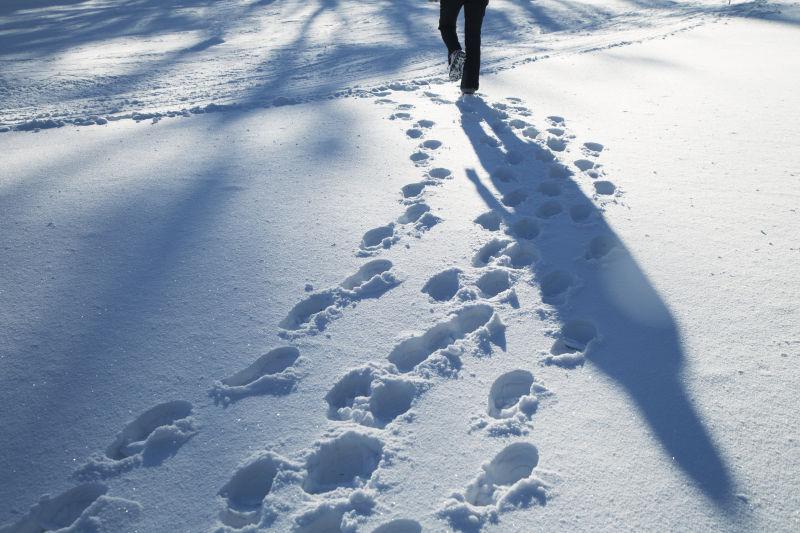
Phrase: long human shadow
x=641 y=346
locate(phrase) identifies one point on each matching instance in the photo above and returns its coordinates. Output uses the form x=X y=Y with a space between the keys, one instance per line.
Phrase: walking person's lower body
x=474 y=11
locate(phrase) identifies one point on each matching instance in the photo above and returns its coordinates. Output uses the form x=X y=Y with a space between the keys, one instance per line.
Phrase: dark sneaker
x=457 y=59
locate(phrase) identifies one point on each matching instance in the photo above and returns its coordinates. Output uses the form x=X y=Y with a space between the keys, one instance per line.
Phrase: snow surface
x=566 y=304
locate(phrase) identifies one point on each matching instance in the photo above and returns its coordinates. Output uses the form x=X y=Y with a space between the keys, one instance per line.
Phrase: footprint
x=154 y=428
x=519 y=255
x=514 y=157
x=580 y=212
x=525 y=228
x=530 y=132
x=405 y=107
x=493 y=283
x=150 y=439
x=514 y=198
x=506 y=483
x=412 y=190
x=444 y=285
x=600 y=247
x=489 y=251
x=550 y=188
x=559 y=171
x=414 y=133
x=604 y=187
x=432 y=144
x=557 y=144
x=499 y=105
x=413 y=351
x=489 y=220
x=413 y=213
x=302 y=313
x=573 y=343
x=313 y=314
x=504 y=174
x=244 y=494
x=439 y=173
x=269 y=374
x=370 y=396
x=512 y=393
x=584 y=164
x=380 y=237
x=558 y=132
x=549 y=209
x=593 y=148
x=57 y=513
x=427 y=124
x=400 y=116
x=345 y=461
x=419 y=157
x=400 y=525
x=556 y=120
x=518 y=124
x=554 y=286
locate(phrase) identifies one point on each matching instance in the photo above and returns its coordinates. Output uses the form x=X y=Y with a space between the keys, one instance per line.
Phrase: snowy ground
x=569 y=304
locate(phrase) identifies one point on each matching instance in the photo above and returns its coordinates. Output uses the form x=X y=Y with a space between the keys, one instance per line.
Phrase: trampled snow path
x=338 y=483
x=86 y=63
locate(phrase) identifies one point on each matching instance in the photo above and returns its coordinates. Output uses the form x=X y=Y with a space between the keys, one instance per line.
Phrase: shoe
x=456 y=62
x=468 y=90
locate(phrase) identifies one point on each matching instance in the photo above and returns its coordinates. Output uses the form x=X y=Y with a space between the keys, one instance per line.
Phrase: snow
x=306 y=287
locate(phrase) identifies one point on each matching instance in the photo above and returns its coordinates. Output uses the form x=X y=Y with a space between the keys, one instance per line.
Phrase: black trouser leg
x=448 y=16
x=474 y=11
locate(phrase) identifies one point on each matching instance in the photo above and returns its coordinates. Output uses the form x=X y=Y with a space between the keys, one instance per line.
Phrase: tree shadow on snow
x=641 y=346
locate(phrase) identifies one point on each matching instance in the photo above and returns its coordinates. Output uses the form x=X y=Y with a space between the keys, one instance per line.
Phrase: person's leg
x=474 y=11
x=448 y=16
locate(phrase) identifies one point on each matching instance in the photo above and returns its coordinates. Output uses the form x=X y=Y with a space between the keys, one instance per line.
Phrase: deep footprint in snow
x=413 y=351
x=342 y=462
x=504 y=174
x=555 y=285
x=400 y=116
x=580 y=213
x=512 y=393
x=380 y=237
x=414 y=133
x=244 y=494
x=419 y=157
x=150 y=439
x=314 y=313
x=592 y=148
x=439 y=173
x=525 y=228
x=432 y=144
x=549 y=209
x=514 y=198
x=493 y=282
x=269 y=374
x=489 y=251
x=584 y=164
x=550 y=188
x=601 y=246
x=605 y=188
x=371 y=396
x=574 y=341
x=444 y=285
x=413 y=190
x=426 y=124
x=489 y=221
x=65 y=511
x=507 y=482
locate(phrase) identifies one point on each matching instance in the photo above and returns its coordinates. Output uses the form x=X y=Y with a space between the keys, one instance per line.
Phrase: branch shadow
x=642 y=349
